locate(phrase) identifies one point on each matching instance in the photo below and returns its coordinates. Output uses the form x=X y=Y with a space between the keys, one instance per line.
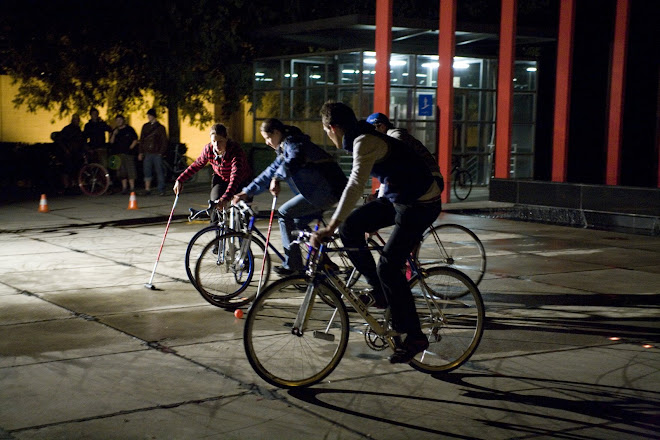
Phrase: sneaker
x=409 y=349
x=284 y=271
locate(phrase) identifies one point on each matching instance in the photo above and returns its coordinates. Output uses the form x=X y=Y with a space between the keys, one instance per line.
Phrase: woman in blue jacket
x=312 y=174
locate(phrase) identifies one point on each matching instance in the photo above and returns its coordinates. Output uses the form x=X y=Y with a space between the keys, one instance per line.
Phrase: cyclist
x=382 y=124
x=312 y=174
x=409 y=199
x=230 y=168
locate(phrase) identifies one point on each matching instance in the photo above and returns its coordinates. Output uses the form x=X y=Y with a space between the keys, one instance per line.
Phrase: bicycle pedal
x=325 y=336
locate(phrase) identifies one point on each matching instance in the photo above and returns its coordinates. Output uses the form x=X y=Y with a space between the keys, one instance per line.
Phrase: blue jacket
x=307 y=168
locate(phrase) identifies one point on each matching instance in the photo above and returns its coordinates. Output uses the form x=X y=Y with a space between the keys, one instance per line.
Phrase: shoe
x=124 y=191
x=409 y=349
x=284 y=271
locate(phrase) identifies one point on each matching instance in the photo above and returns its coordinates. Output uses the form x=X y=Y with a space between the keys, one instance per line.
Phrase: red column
x=383 y=53
x=617 y=85
x=445 y=91
x=563 y=90
x=505 y=89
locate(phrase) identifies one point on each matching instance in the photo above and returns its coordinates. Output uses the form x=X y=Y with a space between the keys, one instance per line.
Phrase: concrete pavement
x=570 y=350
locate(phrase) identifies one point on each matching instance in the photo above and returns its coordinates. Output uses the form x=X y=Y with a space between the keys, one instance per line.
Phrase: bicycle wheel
x=453 y=326
x=462 y=184
x=283 y=358
x=196 y=245
x=225 y=270
x=454 y=246
x=93 y=179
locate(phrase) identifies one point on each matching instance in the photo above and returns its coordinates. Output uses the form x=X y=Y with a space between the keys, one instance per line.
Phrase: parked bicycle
x=176 y=164
x=93 y=178
x=462 y=182
x=296 y=339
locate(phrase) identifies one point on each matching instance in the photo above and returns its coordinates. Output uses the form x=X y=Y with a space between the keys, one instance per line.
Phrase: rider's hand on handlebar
x=318 y=237
x=238 y=197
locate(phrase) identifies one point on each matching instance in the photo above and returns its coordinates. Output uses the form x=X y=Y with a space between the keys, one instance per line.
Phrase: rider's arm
x=197 y=165
x=367 y=150
x=261 y=183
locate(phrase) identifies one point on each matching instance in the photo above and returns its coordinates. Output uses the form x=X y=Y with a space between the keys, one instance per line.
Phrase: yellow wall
x=19 y=125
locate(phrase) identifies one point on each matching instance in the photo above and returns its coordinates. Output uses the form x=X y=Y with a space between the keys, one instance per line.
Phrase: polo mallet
x=149 y=285
x=263 y=263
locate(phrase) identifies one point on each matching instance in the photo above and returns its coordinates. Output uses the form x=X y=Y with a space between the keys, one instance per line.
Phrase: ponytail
x=272 y=124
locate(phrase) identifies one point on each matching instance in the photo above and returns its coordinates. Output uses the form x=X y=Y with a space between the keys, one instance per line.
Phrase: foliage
x=74 y=55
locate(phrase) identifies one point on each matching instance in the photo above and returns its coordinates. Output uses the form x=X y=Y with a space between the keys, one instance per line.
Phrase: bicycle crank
x=374 y=341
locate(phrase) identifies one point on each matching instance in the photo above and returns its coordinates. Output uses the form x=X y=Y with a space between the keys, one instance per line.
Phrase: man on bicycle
x=409 y=199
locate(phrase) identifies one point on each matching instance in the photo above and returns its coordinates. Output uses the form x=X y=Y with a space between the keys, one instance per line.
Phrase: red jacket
x=232 y=167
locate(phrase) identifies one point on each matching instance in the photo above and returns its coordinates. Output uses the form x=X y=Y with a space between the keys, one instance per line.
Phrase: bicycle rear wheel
x=283 y=358
x=454 y=246
x=225 y=270
x=453 y=326
x=93 y=179
x=462 y=184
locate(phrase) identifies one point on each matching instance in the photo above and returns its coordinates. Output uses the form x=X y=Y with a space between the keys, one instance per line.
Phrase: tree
x=71 y=56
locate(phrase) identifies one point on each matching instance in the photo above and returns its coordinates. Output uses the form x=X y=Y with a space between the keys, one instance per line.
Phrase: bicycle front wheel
x=462 y=184
x=93 y=179
x=453 y=326
x=225 y=270
x=454 y=246
x=287 y=358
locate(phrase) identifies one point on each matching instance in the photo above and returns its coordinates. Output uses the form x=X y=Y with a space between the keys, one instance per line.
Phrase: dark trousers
x=410 y=222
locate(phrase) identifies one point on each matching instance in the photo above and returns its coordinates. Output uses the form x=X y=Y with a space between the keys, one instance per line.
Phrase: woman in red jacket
x=231 y=170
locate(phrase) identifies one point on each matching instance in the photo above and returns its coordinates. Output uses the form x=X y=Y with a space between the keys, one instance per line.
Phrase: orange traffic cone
x=43 y=204
x=132 y=201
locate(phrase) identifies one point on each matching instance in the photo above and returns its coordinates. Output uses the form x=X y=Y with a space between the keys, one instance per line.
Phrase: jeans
x=410 y=222
x=154 y=162
x=295 y=215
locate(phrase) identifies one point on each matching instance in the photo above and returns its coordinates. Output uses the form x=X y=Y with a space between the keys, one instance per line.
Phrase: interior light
x=370 y=61
x=531 y=69
x=259 y=74
x=433 y=65
x=421 y=75
x=614 y=338
x=461 y=65
x=398 y=63
x=315 y=76
x=348 y=71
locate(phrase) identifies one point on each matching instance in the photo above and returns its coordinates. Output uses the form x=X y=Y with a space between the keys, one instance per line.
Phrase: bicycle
x=178 y=164
x=462 y=182
x=93 y=178
x=296 y=339
x=226 y=264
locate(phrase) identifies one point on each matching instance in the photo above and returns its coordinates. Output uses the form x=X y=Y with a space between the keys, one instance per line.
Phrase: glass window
x=523 y=107
x=348 y=68
x=267 y=74
x=427 y=71
x=524 y=75
x=400 y=70
x=467 y=72
x=267 y=104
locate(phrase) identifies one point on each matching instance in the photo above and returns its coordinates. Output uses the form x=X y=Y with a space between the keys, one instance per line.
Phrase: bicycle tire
x=462 y=184
x=454 y=246
x=196 y=245
x=93 y=179
x=219 y=280
x=453 y=326
x=283 y=358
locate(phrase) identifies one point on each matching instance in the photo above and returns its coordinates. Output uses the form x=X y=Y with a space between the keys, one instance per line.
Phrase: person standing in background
x=153 y=145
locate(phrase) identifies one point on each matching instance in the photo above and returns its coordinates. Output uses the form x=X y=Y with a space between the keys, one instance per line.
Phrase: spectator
x=70 y=148
x=94 y=133
x=153 y=145
x=124 y=141
x=231 y=170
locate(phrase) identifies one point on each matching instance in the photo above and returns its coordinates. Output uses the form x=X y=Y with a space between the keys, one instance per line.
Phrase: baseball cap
x=378 y=118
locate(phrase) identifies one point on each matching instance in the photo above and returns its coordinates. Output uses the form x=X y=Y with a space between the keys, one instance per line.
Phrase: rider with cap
x=383 y=125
